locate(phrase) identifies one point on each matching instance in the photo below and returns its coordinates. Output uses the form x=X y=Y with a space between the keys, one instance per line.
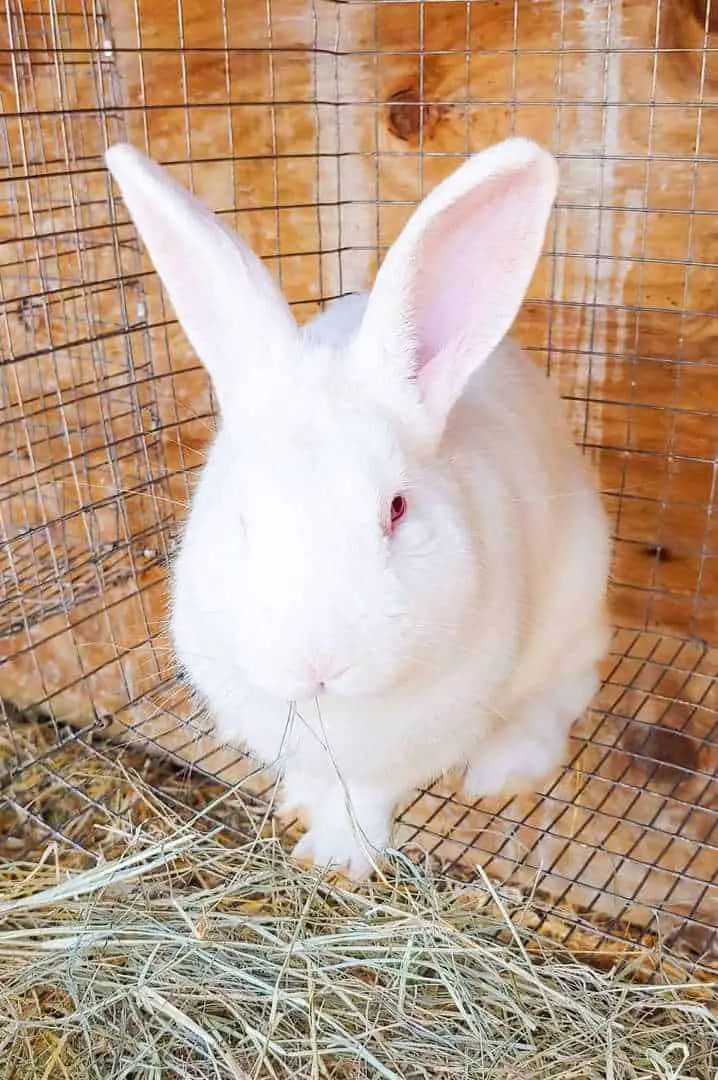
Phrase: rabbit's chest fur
x=543 y=548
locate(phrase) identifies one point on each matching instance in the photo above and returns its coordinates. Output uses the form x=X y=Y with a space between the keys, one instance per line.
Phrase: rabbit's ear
x=224 y=297
x=452 y=283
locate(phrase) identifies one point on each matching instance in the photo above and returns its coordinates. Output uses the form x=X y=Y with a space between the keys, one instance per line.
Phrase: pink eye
x=398 y=509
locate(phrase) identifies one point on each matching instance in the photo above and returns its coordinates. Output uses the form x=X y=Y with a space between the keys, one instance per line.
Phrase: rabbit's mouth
x=313 y=685
x=348 y=682
x=344 y=683
x=357 y=681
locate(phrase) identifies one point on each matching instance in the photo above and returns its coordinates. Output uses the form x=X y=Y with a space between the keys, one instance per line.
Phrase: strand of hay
x=185 y=957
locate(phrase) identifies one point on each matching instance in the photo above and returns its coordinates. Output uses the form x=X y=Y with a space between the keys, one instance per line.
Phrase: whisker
x=131 y=492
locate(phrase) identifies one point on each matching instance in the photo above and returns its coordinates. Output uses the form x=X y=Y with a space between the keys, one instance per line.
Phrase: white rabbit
x=395 y=561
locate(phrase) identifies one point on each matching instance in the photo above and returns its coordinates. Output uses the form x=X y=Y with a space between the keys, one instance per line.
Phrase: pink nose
x=322 y=676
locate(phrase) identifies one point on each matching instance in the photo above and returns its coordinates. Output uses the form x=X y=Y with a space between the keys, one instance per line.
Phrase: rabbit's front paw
x=522 y=757
x=515 y=766
x=350 y=825
x=335 y=843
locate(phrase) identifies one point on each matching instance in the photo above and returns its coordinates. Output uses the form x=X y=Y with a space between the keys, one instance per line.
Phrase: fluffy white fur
x=357 y=662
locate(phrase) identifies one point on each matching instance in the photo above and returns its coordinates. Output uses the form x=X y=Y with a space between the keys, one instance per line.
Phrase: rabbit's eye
x=398 y=509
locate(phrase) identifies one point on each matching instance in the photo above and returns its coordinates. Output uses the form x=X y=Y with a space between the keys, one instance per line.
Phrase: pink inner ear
x=468 y=280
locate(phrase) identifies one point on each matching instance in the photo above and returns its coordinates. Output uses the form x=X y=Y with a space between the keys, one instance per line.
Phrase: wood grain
x=315 y=129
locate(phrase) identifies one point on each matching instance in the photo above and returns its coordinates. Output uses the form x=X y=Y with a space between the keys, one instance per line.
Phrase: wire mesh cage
x=314 y=127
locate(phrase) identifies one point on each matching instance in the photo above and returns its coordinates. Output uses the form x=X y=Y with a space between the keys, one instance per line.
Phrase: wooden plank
x=317 y=151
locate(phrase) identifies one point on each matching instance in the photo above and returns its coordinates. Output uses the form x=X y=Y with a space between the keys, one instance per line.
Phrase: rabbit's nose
x=323 y=675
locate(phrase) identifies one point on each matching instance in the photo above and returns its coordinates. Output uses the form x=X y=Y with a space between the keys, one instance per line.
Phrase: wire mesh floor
x=621 y=845
x=316 y=133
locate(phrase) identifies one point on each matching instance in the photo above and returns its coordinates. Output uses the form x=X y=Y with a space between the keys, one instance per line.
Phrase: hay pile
x=189 y=956
x=85 y=792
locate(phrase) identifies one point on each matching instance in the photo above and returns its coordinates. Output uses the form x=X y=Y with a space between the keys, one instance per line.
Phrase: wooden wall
x=315 y=128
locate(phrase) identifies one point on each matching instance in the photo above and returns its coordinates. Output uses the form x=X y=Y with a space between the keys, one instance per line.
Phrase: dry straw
x=185 y=956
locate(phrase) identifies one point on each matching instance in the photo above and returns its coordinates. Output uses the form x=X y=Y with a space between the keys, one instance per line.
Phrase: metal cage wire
x=315 y=128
